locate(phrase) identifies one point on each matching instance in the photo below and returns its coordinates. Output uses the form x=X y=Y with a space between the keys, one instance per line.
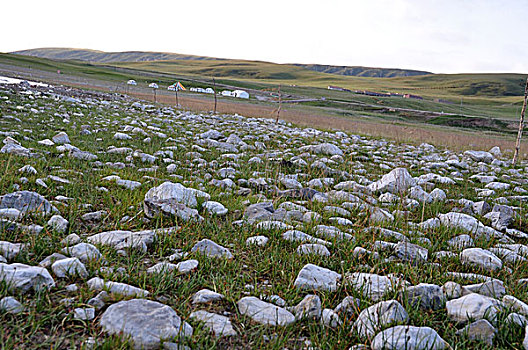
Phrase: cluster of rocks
x=398 y=206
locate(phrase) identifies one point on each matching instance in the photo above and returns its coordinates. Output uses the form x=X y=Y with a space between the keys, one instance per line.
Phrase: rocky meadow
x=125 y=224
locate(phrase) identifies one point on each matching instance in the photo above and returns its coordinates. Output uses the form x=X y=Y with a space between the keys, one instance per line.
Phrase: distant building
x=227 y=93
x=413 y=96
x=337 y=88
x=241 y=94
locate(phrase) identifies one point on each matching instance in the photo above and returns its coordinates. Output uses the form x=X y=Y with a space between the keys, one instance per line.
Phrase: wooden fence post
x=521 y=126
x=280 y=105
x=214 y=93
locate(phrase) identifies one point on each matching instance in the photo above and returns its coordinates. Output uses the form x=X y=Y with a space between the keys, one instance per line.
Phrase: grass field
x=475 y=107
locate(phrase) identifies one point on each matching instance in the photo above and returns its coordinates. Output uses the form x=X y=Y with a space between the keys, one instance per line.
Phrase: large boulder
x=409 y=338
x=264 y=313
x=473 y=306
x=480 y=156
x=146 y=322
x=24 y=277
x=176 y=192
x=377 y=316
x=397 y=181
x=27 y=202
x=314 y=278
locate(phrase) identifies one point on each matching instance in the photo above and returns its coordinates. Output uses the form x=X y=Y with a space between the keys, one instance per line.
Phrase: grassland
x=47 y=321
x=485 y=105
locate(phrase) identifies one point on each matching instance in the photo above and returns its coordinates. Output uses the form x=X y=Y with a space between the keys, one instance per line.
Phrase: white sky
x=445 y=36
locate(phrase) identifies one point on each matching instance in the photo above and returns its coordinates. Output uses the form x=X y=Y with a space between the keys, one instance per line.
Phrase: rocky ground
x=125 y=224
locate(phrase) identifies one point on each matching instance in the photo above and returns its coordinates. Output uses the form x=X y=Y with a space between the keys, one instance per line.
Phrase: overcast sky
x=447 y=36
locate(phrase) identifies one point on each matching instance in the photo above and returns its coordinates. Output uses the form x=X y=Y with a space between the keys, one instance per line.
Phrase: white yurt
x=241 y=94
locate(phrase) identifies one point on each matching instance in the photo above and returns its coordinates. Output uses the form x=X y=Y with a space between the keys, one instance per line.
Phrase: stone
x=315 y=278
x=481 y=258
x=10 y=214
x=299 y=236
x=412 y=253
x=452 y=290
x=211 y=249
x=480 y=330
x=461 y=242
x=119 y=288
x=58 y=223
x=11 y=305
x=205 y=296
x=313 y=249
x=10 y=250
x=168 y=191
x=146 y=322
x=480 y=156
x=140 y=240
x=473 y=306
x=215 y=208
x=329 y=318
x=259 y=241
x=17 y=150
x=258 y=212
x=409 y=338
x=220 y=325
x=377 y=316
x=84 y=251
x=61 y=138
x=69 y=267
x=515 y=304
x=516 y=319
x=425 y=296
x=84 y=314
x=264 y=313
x=24 y=277
x=397 y=181
x=71 y=239
x=372 y=286
x=309 y=307
x=348 y=307
x=27 y=202
x=494 y=288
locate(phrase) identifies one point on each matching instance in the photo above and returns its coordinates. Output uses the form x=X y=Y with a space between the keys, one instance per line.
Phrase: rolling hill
x=144 y=56
x=262 y=75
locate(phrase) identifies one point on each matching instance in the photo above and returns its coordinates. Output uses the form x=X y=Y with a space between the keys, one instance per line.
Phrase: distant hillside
x=358 y=71
x=142 y=56
x=106 y=57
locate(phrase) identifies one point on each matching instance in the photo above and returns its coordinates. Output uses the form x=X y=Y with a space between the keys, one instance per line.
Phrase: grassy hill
x=142 y=56
x=359 y=71
x=252 y=74
x=105 y=57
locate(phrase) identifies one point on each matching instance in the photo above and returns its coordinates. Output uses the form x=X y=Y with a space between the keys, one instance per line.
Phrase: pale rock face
x=481 y=258
x=61 y=138
x=219 y=325
x=264 y=313
x=69 y=267
x=146 y=322
x=377 y=316
x=372 y=286
x=27 y=203
x=473 y=306
x=407 y=338
x=24 y=277
x=211 y=249
x=119 y=288
x=313 y=278
x=397 y=181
